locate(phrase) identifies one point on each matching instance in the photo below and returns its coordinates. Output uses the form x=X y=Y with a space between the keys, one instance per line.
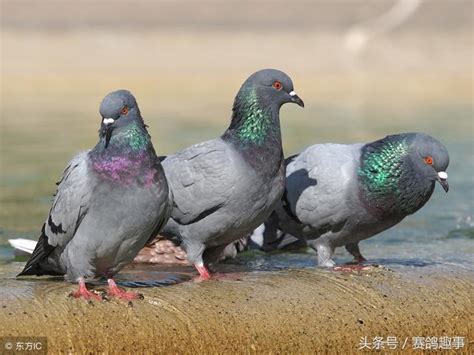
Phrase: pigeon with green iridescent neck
x=337 y=195
x=226 y=187
x=110 y=201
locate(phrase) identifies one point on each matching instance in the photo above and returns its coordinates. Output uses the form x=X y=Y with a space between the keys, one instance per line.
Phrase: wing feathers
x=69 y=208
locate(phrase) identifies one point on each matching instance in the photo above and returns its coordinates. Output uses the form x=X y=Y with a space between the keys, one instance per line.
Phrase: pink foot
x=84 y=292
x=115 y=291
x=204 y=273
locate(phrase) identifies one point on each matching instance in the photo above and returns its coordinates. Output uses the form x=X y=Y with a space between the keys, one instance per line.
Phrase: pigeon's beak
x=296 y=99
x=108 y=128
x=443 y=180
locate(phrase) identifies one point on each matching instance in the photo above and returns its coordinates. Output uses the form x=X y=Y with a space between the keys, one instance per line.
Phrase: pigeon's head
x=118 y=109
x=431 y=159
x=272 y=87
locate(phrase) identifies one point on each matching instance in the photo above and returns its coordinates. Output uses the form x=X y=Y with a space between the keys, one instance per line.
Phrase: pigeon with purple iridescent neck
x=225 y=187
x=110 y=201
x=337 y=195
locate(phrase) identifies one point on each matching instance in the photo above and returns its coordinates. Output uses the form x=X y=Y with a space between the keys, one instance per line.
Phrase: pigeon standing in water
x=337 y=195
x=110 y=201
x=226 y=187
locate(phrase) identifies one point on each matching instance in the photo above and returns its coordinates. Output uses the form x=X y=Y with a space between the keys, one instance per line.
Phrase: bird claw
x=116 y=292
x=204 y=273
x=124 y=295
x=86 y=294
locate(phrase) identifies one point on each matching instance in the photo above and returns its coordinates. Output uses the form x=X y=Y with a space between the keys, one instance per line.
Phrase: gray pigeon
x=337 y=195
x=110 y=201
x=226 y=187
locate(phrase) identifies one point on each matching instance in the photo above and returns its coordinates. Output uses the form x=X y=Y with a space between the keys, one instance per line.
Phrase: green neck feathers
x=381 y=167
x=251 y=122
x=389 y=182
x=136 y=138
x=132 y=137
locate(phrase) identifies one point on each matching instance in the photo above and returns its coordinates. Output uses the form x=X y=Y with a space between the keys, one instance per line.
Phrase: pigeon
x=110 y=201
x=224 y=188
x=337 y=195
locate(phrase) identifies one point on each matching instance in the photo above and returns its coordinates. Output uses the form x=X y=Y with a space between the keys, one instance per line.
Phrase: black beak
x=106 y=129
x=108 y=134
x=444 y=184
x=296 y=99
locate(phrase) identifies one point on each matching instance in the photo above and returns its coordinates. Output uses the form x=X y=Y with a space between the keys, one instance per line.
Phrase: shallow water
x=442 y=232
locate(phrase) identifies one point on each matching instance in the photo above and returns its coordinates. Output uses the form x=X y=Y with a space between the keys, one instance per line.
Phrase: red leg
x=115 y=291
x=84 y=292
x=203 y=271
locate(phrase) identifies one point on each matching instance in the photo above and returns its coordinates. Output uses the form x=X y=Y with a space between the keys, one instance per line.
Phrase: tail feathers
x=24 y=245
x=40 y=255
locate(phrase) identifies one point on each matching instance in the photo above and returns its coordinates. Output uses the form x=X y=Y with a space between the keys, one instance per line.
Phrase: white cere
x=443 y=175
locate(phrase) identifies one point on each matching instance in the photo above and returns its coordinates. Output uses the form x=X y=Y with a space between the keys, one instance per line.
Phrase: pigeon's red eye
x=429 y=160
x=124 y=110
x=277 y=85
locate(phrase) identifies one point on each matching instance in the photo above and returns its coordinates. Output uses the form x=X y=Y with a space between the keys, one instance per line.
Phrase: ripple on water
x=147 y=277
x=33 y=289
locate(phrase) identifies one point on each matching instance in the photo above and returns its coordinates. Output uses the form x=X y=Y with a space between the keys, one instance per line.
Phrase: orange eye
x=429 y=160
x=277 y=85
x=124 y=110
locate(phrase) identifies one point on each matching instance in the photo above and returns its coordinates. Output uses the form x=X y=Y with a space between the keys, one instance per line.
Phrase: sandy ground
x=297 y=311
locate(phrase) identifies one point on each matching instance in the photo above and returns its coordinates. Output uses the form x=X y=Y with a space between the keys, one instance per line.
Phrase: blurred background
x=364 y=68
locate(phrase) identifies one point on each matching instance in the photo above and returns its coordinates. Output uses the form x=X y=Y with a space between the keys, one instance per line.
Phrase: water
x=441 y=233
